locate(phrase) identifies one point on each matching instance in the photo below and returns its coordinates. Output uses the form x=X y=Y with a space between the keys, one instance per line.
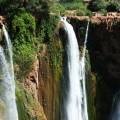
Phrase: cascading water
x=76 y=106
x=115 y=114
x=7 y=83
x=82 y=63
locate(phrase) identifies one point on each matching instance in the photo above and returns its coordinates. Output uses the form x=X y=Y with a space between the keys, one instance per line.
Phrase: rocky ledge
x=98 y=18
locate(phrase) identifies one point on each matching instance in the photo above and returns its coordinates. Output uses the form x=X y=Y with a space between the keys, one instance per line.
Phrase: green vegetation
x=56 y=52
x=104 y=5
x=32 y=25
x=26 y=38
x=91 y=88
x=73 y=5
x=57 y=8
x=113 y=6
x=23 y=36
x=31 y=5
x=79 y=6
x=28 y=107
x=46 y=28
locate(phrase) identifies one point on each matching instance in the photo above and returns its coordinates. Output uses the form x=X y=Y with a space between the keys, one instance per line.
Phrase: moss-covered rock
x=90 y=88
x=50 y=70
x=28 y=107
x=2 y=110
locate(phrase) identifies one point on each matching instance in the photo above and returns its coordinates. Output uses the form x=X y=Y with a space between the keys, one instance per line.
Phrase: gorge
x=59 y=68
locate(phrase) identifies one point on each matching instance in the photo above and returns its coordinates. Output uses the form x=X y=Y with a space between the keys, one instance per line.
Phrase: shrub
x=23 y=36
x=97 y=5
x=73 y=5
x=46 y=29
x=55 y=49
x=57 y=8
x=24 y=55
x=104 y=5
x=80 y=7
x=83 y=11
x=23 y=26
x=113 y=6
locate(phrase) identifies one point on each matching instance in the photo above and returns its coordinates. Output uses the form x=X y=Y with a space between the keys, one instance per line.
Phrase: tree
x=31 y=5
x=109 y=5
x=113 y=6
x=97 y=5
x=71 y=1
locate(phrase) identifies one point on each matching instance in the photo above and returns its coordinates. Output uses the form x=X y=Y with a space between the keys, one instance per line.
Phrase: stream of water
x=76 y=107
x=7 y=83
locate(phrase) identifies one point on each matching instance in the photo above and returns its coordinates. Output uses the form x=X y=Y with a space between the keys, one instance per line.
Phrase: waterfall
x=76 y=105
x=7 y=83
x=115 y=114
x=82 y=63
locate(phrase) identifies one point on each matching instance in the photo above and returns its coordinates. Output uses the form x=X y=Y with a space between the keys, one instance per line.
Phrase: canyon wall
x=103 y=50
x=39 y=92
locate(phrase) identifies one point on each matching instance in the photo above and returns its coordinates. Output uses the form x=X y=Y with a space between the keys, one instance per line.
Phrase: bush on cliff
x=46 y=28
x=104 y=5
x=23 y=36
x=113 y=6
x=97 y=5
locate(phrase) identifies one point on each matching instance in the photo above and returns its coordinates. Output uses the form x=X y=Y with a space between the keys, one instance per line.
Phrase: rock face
x=50 y=70
x=2 y=19
x=104 y=53
x=46 y=84
x=27 y=96
x=41 y=88
x=31 y=82
x=38 y=96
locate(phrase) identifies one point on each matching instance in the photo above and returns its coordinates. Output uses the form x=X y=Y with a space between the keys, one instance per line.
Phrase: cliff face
x=104 y=52
x=39 y=94
x=103 y=46
x=28 y=104
x=43 y=83
x=46 y=83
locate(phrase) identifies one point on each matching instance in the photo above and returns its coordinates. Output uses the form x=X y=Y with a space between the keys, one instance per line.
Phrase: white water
x=82 y=62
x=76 y=107
x=115 y=114
x=7 y=83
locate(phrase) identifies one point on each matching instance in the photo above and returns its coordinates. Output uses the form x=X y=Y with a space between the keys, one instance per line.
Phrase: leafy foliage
x=27 y=38
x=47 y=26
x=113 y=6
x=104 y=5
x=28 y=107
x=56 y=51
x=23 y=30
x=23 y=25
x=57 y=8
x=70 y=0
x=79 y=6
x=97 y=5
x=9 y=6
x=73 y=5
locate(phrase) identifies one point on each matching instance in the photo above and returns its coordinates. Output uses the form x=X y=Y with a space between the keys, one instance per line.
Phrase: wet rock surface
x=104 y=52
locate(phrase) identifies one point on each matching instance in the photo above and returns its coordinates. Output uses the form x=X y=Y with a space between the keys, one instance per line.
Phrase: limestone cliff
x=27 y=96
x=103 y=46
x=39 y=93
